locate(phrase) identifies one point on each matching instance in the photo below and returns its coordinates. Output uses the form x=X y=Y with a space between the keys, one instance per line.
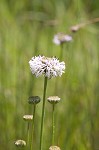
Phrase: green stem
x=43 y=111
x=28 y=135
x=53 y=126
x=60 y=58
x=33 y=126
x=61 y=51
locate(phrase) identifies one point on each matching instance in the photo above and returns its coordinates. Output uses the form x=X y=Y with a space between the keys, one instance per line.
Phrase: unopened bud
x=53 y=99
x=54 y=148
x=34 y=100
x=28 y=117
x=20 y=143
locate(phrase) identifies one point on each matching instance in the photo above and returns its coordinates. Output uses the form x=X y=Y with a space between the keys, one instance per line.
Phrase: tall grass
x=27 y=29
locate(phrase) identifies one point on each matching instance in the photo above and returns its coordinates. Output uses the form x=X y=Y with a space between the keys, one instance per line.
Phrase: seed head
x=20 y=143
x=53 y=99
x=34 y=99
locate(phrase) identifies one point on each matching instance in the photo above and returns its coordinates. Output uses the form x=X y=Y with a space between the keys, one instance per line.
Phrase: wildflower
x=53 y=99
x=34 y=99
x=61 y=38
x=20 y=143
x=54 y=148
x=50 y=67
x=28 y=117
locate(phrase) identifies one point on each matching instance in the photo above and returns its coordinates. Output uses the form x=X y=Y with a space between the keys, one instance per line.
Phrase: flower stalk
x=34 y=109
x=61 y=51
x=28 y=119
x=28 y=128
x=43 y=111
x=53 y=100
x=53 y=125
x=34 y=100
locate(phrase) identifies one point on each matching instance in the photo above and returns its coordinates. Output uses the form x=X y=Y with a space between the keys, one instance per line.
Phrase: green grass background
x=27 y=29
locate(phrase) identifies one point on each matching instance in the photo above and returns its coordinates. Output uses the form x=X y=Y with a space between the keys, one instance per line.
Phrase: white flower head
x=61 y=38
x=50 y=67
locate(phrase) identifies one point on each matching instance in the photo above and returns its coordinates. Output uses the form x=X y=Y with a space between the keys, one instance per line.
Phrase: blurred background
x=27 y=28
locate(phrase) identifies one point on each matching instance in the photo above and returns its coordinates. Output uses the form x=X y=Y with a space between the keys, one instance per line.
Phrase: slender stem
x=61 y=51
x=53 y=125
x=28 y=126
x=43 y=111
x=60 y=58
x=81 y=25
x=33 y=126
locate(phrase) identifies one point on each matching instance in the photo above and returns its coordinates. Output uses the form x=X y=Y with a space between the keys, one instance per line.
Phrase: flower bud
x=34 y=100
x=53 y=99
x=20 y=143
x=28 y=117
x=54 y=148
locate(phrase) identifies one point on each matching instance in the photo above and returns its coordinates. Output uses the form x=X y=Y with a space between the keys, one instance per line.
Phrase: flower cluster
x=50 y=67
